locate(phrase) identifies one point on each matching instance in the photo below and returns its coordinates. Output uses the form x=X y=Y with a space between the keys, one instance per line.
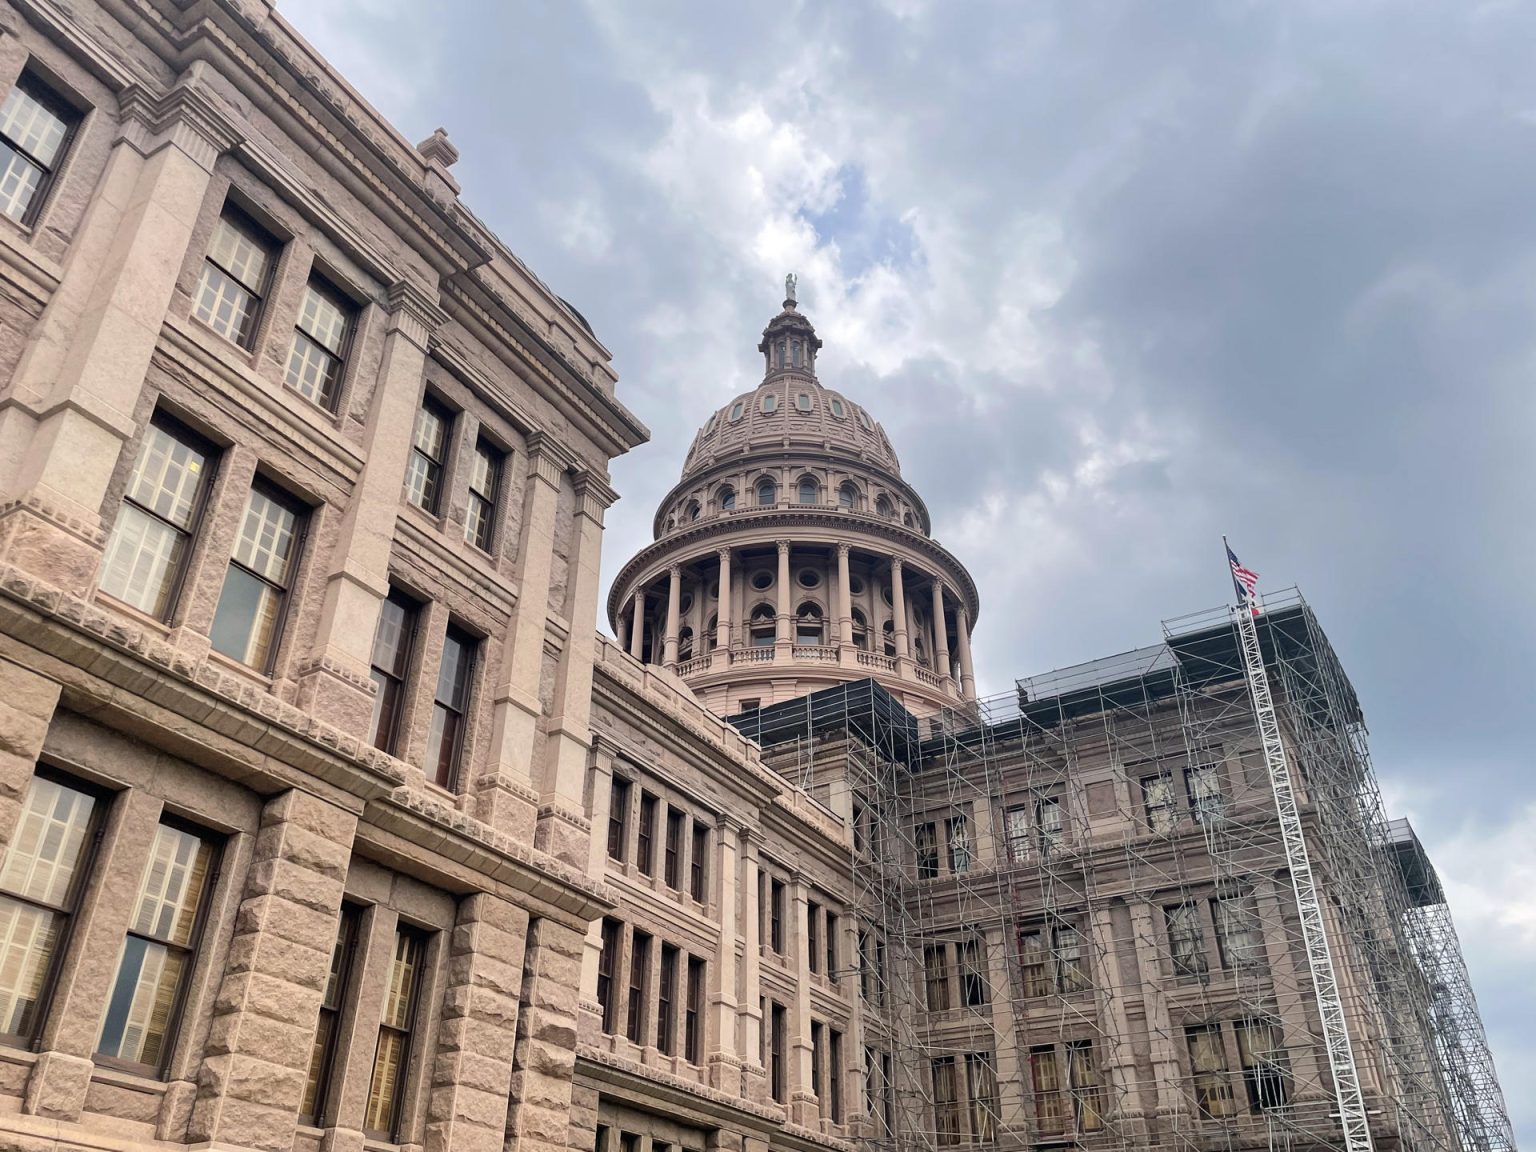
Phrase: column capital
x=783 y=546
x=843 y=548
x=594 y=495
x=724 y=554
x=895 y=563
x=675 y=571
x=548 y=460
x=185 y=117
x=413 y=312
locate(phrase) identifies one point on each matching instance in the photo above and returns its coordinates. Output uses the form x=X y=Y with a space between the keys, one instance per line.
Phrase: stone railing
x=823 y=652
x=690 y=667
x=929 y=677
x=876 y=660
x=752 y=655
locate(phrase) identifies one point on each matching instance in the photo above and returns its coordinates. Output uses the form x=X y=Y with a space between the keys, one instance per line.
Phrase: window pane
x=246 y=621
x=31 y=127
x=312 y=371
x=237 y=251
x=27 y=939
x=388 y=1059
x=49 y=841
x=223 y=304
x=167 y=476
x=323 y=320
x=454 y=671
x=391 y=643
x=143 y=996
x=267 y=537
x=172 y=887
x=409 y=948
x=19 y=182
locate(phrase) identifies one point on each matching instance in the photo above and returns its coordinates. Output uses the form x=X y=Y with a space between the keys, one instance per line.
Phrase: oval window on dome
x=737 y=409
x=808 y=577
x=803 y=401
x=837 y=407
x=762 y=580
x=770 y=402
x=713 y=420
x=864 y=420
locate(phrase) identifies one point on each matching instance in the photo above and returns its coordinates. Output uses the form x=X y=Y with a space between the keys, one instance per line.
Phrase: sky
x=1117 y=278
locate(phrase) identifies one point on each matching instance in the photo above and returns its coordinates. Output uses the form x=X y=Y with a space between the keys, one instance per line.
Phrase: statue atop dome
x=790 y=282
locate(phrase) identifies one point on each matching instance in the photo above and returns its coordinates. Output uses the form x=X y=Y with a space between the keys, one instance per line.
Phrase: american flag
x=1246 y=581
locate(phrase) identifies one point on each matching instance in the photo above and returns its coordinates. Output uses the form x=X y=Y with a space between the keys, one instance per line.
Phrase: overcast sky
x=1117 y=278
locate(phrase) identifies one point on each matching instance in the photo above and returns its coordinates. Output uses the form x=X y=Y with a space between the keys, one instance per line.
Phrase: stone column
x=71 y=407
x=940 y=631
x=724 y=1065
x=637 y=625
x=963 y=644
x=263 y=1029
x=674 y=595
x=538 y=1119
x=899 y=610
x=334 y=681
x=472 y=1075
x=722 y=654
x=783 y=636
x=1120 y=1057
x=1171 y=1104
x=844 y=602
x=1292 y=990
x=804 y=1105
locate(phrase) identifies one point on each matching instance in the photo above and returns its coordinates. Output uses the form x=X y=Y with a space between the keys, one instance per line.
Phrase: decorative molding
x=185 y=117
x=413 y=312
x=93 y=534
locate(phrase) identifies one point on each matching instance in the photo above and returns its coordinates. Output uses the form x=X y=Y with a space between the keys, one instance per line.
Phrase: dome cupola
x=789 y=343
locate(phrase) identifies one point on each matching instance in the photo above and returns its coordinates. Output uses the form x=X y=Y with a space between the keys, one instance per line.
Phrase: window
x=1048 y=822
x=455 y=677
x=1208 y=1064
x=957 y=830
x=813 y=936
x=607 y=960
x=767 y=493
x=1238 y=937
x=776 y=1053
x=1045 y=1081
x=1051 y=959
x=333 y=995
x=320 y=344
x=726 y=499
x=429 y=449
x=693 y=511
x=674 y=848
x=927 y=852
x=762 y=628
x=866 y=972
x=946 y=1107
x=880 y=972
x=1158 y=801
x=736 y=410
x=847 y=496
x=1186 y=943
x=685 y=644
x=639 y=974
x=234 y=277
x=817 y=1029
x=1265 y=1073
x=145 y=1000
x=973 y=972
x=391 y=660
x=810 y=491
x=1016 y=830
x=884 y=507
x=666 y=1002
x=392 y=1056
x=1202 y=783
x=936 y=977
x=770 y=403
x=860 y=631
x=645 y=845
x=484 y=488
x=252 y=605
x=802 y=399
x=618 y=818
x=697 y=858
x=832 y=947
x=981 y=1086
x=35 y=127
x=693 y=1015
x=151 y=537
x=837 y=407
x=808 y=625
x=835 y=1073
x=1085 y=1085
x=40 y=881
x=776 y=915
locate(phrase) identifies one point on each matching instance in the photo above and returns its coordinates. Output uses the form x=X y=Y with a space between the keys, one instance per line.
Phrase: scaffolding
x=1134 y=903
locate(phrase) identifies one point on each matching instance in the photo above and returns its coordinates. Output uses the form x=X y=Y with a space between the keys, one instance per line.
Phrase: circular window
x=763 y=580
x=803 y=401
x=714 y=590
x=856 y=585
x=885 y=593
x=808 y=577
x=770 y=402
x=685 y=605
x=736 y=410
x=837 y=407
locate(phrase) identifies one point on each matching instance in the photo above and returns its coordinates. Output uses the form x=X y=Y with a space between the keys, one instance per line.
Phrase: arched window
x=795 y=352
x=767 y=493
x=860 y=631
x=884 y=507
x=761 y=627
x=693 y=510
x=810 y=491
x=737 y=409
x=888 y=634
x=782 y=345
x=837 y=408
x=711 y=633
x=908 y=521
x=847 y=496
x=809 y=628
x=803 y=401
x=726 y=498
x=769 y=403
x=685 y=644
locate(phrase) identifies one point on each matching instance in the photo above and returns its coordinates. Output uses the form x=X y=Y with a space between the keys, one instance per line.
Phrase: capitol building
x=330 y=821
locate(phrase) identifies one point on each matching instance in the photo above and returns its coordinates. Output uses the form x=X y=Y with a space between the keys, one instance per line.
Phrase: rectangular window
x=946 y=1105
x=455 y=677
x=973 y=972
x=871 y=1083
x=832 y=928
x=1186 y=943
x=1048 y=820
x=1051 y=960
x=249 y=619
x=234 y=277
x=1157 y=801
x=155 y=522
x=429 y=452
x=35 y=127
x=1016 y=829
x=607 y=960
x=835 y=1073
x=484 y=489
x=44 y=870
x=927 y=852
x=391 y=661
x=639 y=977
x=645 y=836
x=1045 y=1083
x=1034 y=962
x=1202 y=784
x=145 y=1000
x=618 y=818
x=776 y=914
x=391 y=1058
x=320 y=344
x=887 y=1095
x=813 y=936
x=693 y=1018
x=1086 y=1086
x=936 y=977
x=674 y=848
x=957 y=829
x=323 y=1053
x=817 y=1031
x=776 y=1054
x=981 y=1085
x=1208 y=1064
x=859 y=816
x=1266 y=1073
x=1071 y=968
x=880 y=972
x=866 y=975
x=629 y=1142
x=666 y=1002
x=697 y=862
x=1238 y=937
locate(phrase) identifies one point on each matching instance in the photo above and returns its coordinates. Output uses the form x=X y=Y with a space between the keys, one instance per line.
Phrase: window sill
x=122 y=1078
x=230 y=664
x=142 y=619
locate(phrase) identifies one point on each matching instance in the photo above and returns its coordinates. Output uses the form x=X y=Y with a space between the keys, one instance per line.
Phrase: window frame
x=434 y=406
x=611 y=936
x=469 y=644
x=329 y=399
x=488 y=505
x=414 y=1021
x=37 y=88
x=413 y=612
x=693 y=1011
x=302 y=513
x=259 y=235
x=698 y=862
x=645 y=835
x=619 y=792
x=640 y=943
x=349 y=934
x=672 y=849
x=666 y=1001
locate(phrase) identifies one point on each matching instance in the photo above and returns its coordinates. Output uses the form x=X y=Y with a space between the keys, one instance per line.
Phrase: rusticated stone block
x=57 y=1087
